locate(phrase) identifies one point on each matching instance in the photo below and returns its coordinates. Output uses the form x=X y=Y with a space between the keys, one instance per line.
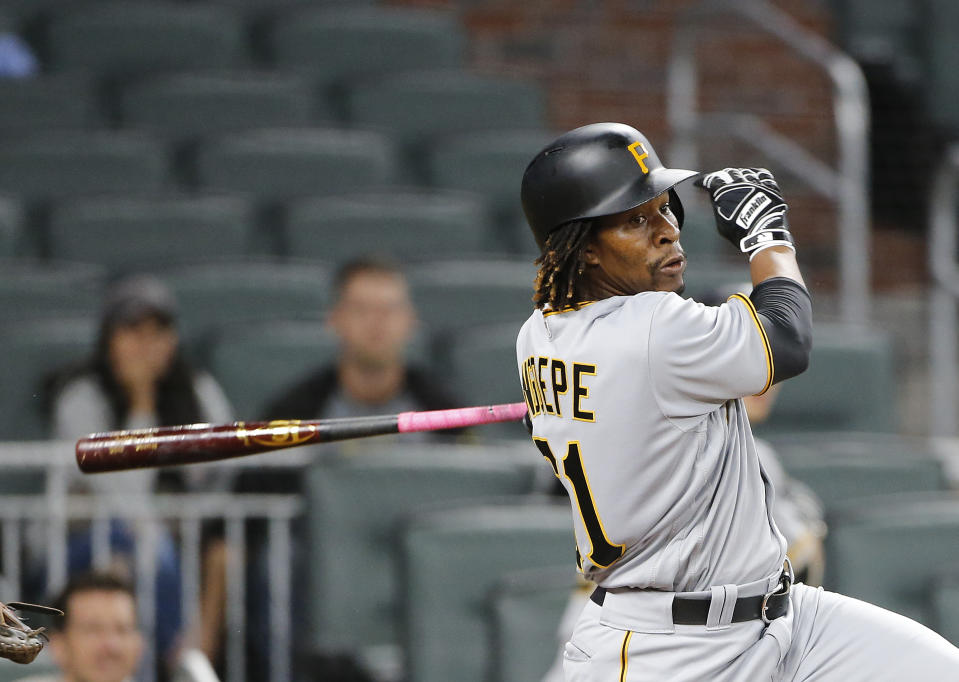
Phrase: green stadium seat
x=945 y=603
x=61 y=164
x=48 y=102
x=128 y=233
x=421 y=106
x=851 y=444
x=839 y=481
x=483 y=364
x=453 y=294
x=255 y=363
x=881 y=32
x=247 y=291
x=889 y=550
x=280 y=164
x=30 y=289
x=491 y=163
x=122 y=39
x=527 y=608
x=357 y=503
x=31 y=350
x=335 y=44
x=941 y=67
x=190 y=105
x=452 y=560
x=711 y=280
x=700 y=239
x=254 y=368
x=407 y=224
x=42 y=665
x=483 y=371
x=11 y=228
x=849 y=386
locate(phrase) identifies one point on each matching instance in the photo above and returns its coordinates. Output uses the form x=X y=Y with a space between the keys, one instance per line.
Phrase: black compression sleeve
x=785 y=309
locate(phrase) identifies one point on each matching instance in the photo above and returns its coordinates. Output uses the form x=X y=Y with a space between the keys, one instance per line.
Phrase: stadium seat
x=841 y=480
x=491 y=163
x=253 y=292
x=483 y=371
x=335 y=44
x=254 y=364
x=131 y=234
x=11 y=228
x=278 y=164
x=890 y=549
x=452 y=560
x=483 y=363
x=849 y=386
x=47 y=103
x=881 y=32
x=710 y=279
x=357 y=504
x=527 y=608
x=31 y=350
x=945 y=603
x=42 y=665
x=422 y=106
x=61 y=164
x=30 y=289
x=189 y=105
x=121 y=39
x=941 y=82
x=408 y=225
x=851 y=444
x=455 y=294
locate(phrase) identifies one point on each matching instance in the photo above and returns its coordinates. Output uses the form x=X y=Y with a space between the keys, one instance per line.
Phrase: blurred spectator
x=138 y=377
x=16 y=58
x=374 y=319
x=98 y=639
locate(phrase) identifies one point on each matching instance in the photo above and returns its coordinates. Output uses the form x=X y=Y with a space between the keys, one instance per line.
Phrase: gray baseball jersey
x=633 y=402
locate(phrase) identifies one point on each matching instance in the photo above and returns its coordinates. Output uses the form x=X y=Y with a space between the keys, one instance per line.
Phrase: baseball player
x=634 y=397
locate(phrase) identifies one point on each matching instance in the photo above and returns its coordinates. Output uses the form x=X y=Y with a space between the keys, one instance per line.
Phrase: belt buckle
x=784 y=588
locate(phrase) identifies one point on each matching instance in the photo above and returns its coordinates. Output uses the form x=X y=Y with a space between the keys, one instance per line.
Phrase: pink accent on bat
x=458 y=418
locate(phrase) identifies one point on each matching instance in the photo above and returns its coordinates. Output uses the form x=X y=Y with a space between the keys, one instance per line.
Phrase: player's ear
x=590 y=254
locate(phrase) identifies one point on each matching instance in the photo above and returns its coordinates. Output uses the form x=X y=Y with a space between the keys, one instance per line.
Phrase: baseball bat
x=194 y=443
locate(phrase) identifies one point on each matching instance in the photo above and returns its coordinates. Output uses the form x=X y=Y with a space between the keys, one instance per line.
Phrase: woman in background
x=138 y=377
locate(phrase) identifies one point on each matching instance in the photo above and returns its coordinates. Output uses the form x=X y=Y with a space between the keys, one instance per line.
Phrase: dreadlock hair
x=559 y=282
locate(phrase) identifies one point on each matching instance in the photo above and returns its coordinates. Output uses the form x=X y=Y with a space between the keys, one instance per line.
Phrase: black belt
x=688 y=611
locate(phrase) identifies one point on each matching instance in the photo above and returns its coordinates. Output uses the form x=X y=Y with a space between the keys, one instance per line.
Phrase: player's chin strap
x=785 y=587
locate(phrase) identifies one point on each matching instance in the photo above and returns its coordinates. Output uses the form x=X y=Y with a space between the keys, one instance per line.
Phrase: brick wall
x=607 y=60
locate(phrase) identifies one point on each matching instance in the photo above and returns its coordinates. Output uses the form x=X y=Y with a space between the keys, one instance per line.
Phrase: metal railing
x=847 y=185
x=943 y=320
x=56 y=511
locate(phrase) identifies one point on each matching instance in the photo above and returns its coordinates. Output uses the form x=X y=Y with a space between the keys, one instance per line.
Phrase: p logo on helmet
x=640 y=158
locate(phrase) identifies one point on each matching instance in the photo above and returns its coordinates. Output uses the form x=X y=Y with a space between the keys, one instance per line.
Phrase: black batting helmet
x=596 y=170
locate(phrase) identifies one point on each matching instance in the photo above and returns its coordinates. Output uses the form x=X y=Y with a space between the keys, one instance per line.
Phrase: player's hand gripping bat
x=192 y=443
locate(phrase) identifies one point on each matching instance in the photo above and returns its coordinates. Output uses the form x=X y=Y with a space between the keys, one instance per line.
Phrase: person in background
x=374 y=319
x=98 y=639
x=17 y=59
x=139 y=377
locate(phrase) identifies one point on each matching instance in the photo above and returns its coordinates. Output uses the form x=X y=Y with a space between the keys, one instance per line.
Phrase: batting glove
x=749 y=207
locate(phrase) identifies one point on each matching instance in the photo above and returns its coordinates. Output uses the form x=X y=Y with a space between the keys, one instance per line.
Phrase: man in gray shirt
x=634 y=396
